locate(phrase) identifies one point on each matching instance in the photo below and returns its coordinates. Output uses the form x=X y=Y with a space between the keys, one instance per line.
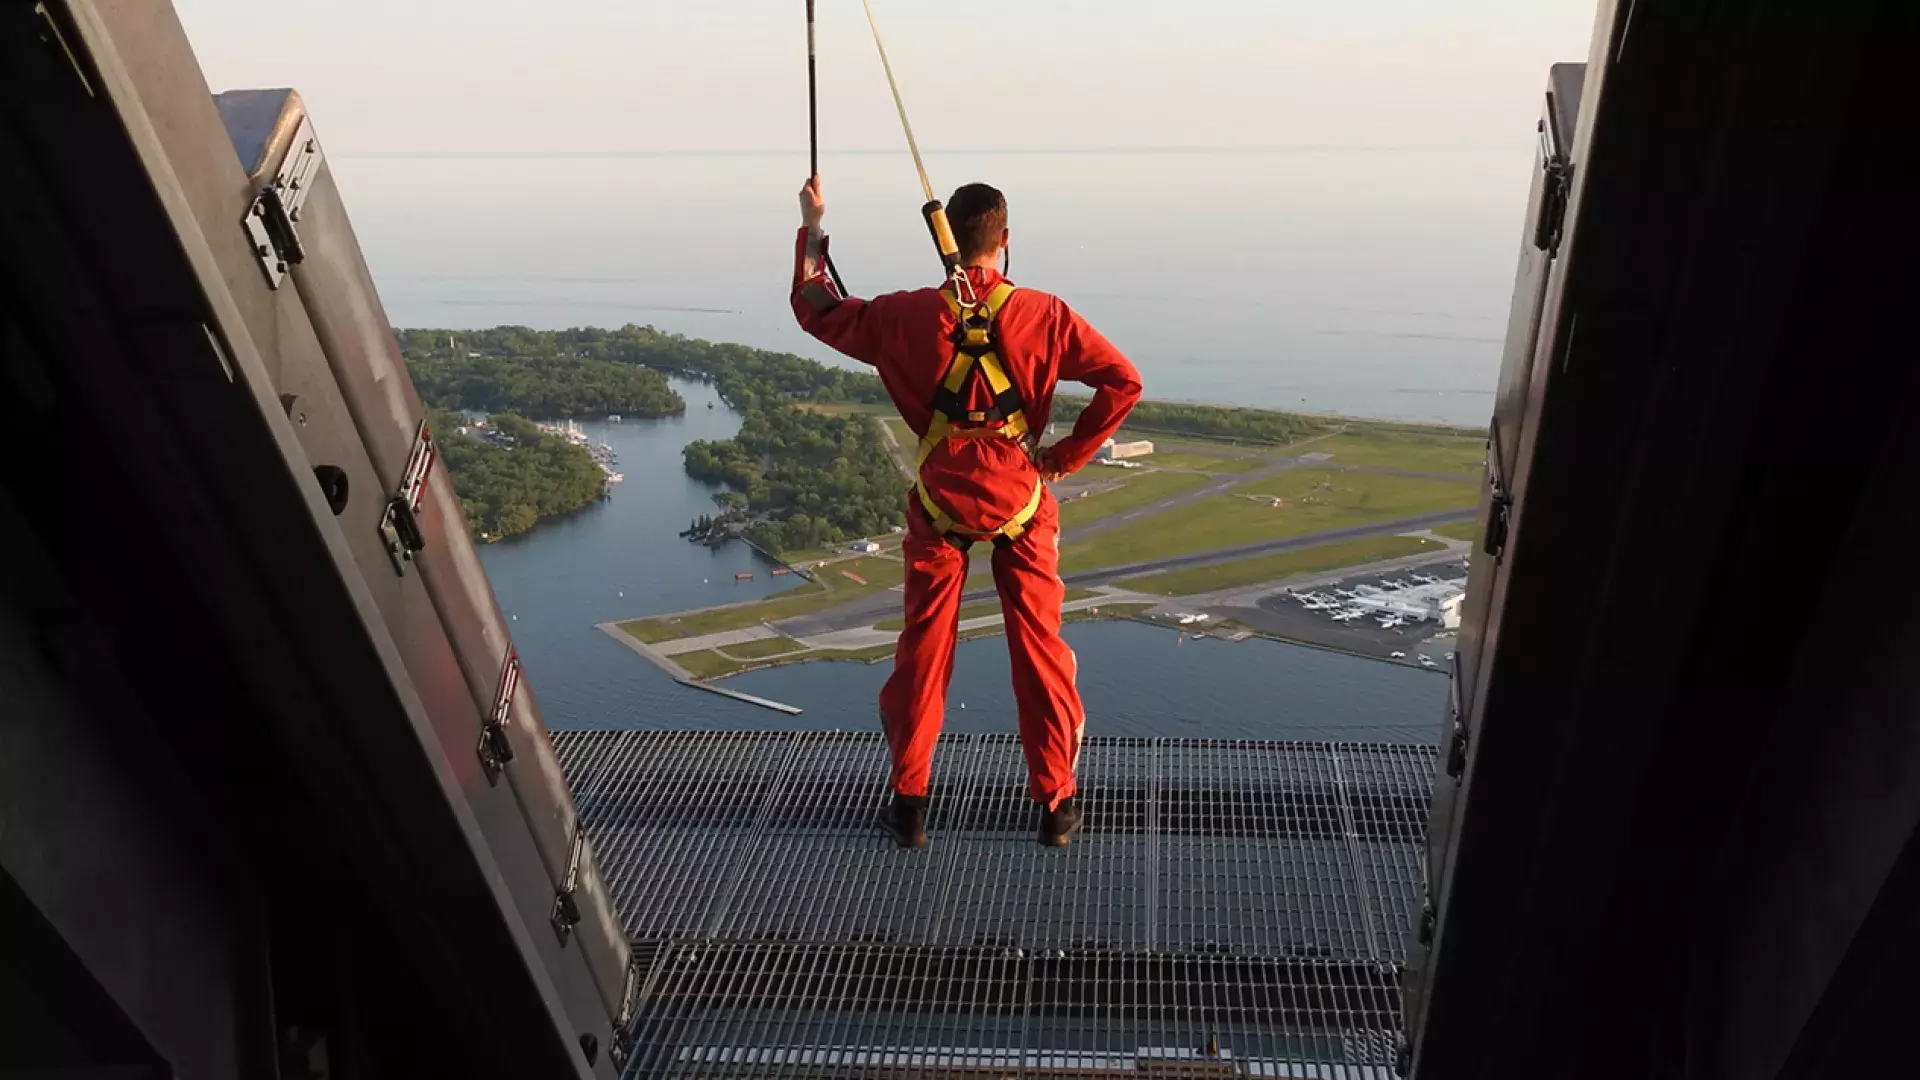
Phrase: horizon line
x=1092 y=151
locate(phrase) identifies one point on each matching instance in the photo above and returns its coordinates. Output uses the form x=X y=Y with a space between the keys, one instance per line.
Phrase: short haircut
x=978 y=214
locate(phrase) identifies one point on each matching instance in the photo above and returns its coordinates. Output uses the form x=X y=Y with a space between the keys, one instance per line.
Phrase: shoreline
x=806 y=655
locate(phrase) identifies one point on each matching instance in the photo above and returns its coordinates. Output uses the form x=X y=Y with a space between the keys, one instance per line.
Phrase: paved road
x=899 y=455
x=866 y=610
x=1220 y=486
x=1271 y=547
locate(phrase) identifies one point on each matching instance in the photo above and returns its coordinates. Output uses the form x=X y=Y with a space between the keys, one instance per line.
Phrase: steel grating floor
x=1233 y=908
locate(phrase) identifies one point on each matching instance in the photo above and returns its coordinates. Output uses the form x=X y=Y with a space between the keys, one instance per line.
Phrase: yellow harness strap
x=975 y=346
x=943 y=522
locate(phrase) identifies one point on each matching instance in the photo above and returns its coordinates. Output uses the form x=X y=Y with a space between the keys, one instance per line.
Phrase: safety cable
x=933 y=212
x=912 y=146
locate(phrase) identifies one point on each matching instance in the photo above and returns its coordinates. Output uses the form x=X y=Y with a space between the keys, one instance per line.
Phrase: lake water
x=556 y=582
x=1363 y=282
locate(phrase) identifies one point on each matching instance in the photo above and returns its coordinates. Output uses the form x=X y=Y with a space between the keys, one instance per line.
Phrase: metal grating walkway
x=1233 y=908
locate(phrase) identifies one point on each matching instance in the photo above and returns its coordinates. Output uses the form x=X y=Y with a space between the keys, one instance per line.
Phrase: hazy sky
x=384 y=76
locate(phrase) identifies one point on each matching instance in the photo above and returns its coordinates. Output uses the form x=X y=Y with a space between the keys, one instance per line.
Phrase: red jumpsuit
x=981 y=483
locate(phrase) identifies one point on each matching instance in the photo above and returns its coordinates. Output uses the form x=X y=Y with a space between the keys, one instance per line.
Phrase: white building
x=1415 y=603
x=863 y=547
x=1115 y=451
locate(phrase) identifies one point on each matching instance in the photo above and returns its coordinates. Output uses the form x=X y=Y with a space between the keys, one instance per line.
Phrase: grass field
x=763 y=648
x=1181 y=459
x=708 y=664
x=1314 y=500
x=1274 y=567
x=864 y=656
x=976 y=610
x=711 y=664
x=880 y=574
x=649 y=631
x=908 y=440
x=1138 y=491
x=848 y=408
x=1461 y=530
x=1402 y=449
x=979 y=609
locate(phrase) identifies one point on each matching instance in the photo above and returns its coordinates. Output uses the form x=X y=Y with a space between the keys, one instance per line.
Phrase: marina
x=602 y=453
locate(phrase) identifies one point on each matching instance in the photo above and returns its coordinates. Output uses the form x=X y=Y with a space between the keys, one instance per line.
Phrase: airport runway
x=868 y=609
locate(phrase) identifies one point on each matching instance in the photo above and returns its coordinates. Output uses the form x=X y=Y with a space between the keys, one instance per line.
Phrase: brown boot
x=906 y=819
x=1058 y=825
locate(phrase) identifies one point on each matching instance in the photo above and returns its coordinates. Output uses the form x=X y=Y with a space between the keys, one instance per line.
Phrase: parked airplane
x=1392 y=621
x=1398 y=655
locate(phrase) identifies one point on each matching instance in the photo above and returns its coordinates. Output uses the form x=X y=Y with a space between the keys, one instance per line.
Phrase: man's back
x=908 y=338
x=972 y=369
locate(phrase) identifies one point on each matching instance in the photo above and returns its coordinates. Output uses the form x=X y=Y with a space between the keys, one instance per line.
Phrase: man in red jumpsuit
x=980 y=481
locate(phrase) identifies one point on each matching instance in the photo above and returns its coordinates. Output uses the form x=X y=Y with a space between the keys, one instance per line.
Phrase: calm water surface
x=1363 y=282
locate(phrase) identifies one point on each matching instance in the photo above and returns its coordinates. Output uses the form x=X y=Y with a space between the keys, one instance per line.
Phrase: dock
x=765 y=703
x=684 y=677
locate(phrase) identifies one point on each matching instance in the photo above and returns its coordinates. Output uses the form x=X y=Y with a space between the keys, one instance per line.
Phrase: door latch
x=400 y=525
x=495 y=748
x=566 y=910
x=1500 y=506
x=273 y=218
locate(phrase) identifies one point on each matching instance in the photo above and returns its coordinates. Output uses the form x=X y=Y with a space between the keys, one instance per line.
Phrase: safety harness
x=976 y=355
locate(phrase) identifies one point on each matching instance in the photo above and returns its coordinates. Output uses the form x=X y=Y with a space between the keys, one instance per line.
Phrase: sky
x=582 y=76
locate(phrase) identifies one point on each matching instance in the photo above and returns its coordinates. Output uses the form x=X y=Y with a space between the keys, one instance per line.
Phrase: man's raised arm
x=1088 y=358
x=844 y=323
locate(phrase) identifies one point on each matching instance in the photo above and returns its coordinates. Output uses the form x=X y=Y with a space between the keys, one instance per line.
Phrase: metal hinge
x=1457 y=750
x=623 y=1022
x=566 y=912
x=1457 y=747
x=496 y=750
x=273 y=217
x=1500 y=508
x=400 y=525
x=1557 y=182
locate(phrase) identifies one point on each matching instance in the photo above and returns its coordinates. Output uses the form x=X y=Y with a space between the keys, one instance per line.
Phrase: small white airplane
x=1392 y=621
x=1449 y=656
x=1348 y=593
x=1426 y=579
x=1398 y=656
x=1347 y=616
x=1425 y=660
